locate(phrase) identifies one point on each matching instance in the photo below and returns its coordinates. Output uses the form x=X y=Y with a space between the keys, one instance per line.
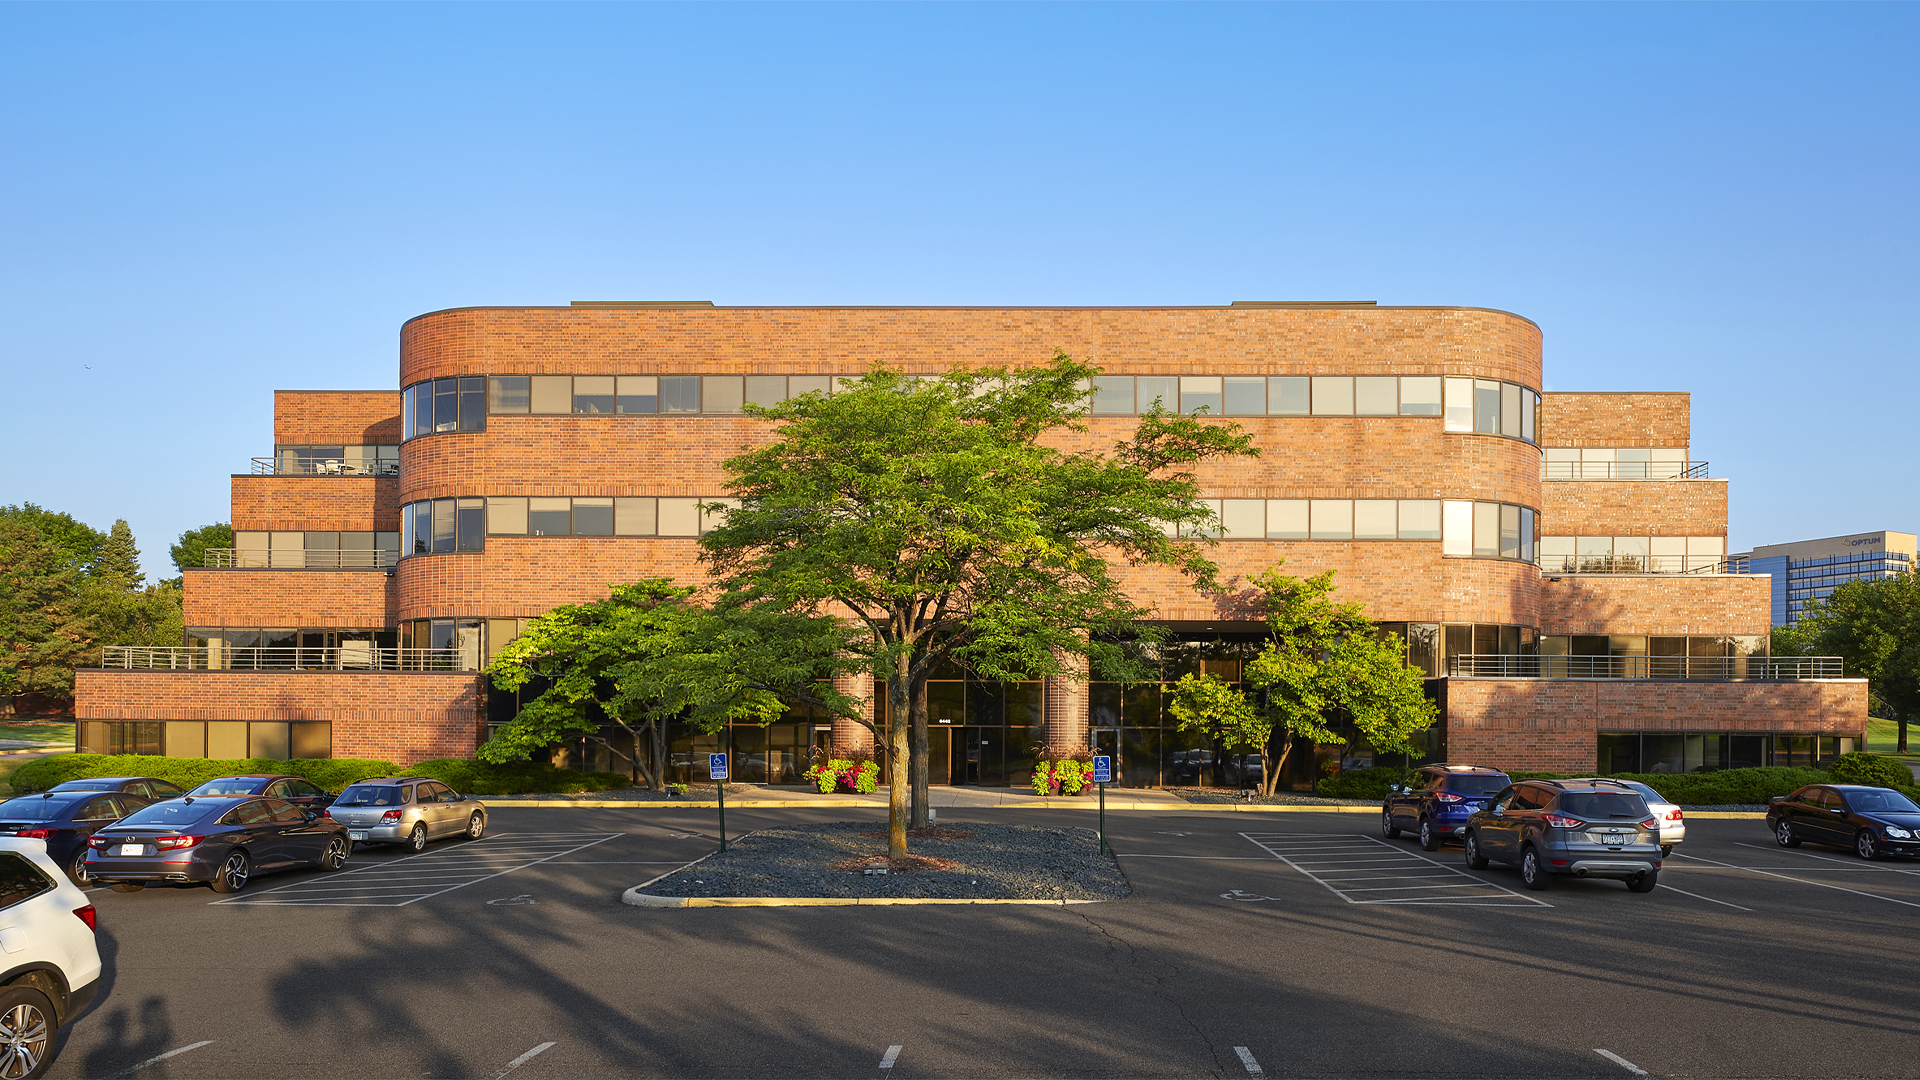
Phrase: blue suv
x=1436 y=801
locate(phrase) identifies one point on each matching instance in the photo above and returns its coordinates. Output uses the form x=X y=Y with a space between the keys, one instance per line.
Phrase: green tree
x=45 y=632
x=961 y=518
x=118 y=565
x=1874 y=627
x=191 y=551
x=1322 y=661
x=646 y=655
x=78 y=543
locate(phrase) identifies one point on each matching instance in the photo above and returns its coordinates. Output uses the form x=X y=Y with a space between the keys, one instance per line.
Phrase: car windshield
x=35 y=808
x=1865 y=801
x=1476 y=785
x=372 y=795
x=1602 y=804
x=174 y=812
x=236 y=785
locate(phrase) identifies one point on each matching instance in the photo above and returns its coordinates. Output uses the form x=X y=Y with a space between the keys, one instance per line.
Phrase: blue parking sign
x=1102 y=769
x=716 y=766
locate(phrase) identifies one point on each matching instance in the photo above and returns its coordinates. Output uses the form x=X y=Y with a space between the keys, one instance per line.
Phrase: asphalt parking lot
x=1294 y=944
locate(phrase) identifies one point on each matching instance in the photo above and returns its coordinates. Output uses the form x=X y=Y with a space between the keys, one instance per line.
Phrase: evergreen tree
x=118 y=566
x=45 y=630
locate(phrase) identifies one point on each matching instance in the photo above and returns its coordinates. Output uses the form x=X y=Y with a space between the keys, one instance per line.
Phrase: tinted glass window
x=101 y=809
x=286 y=812
x=161 y=789
x=35 y=808
x=1476 y=785
x=446 y=404
x=372 y=795
x=253 y=813
x=20 y=879
x=1529 y=798
x=430 y=792
x=178 y=814
x=473 y=404
x=305 y=788
x=233 y=785
x=510 y=393
x=1882 y=802
x=1602 y=804
x=679 y=393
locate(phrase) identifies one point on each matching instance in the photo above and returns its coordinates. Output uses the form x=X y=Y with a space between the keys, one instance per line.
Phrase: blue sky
x=202 y=203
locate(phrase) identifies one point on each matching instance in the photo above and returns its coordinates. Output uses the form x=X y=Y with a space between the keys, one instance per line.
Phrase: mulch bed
x=976 y=862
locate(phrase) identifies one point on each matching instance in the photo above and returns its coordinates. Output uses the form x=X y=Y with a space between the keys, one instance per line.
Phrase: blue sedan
x=65 y=819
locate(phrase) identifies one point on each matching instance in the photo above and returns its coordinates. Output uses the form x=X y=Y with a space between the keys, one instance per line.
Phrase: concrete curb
x=1726 y=815
x=636 y=898
x=767 y=804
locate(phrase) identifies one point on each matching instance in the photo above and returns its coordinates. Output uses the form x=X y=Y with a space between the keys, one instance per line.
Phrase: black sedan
x=65 y=819
x=297 y=790
x=1873 y=821
x=147 y=787
x=224 y=842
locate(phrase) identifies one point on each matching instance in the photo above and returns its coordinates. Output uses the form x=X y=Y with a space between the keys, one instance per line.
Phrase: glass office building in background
x=1809 y=570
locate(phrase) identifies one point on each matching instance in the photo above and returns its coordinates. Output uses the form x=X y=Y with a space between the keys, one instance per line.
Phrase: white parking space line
x=1246 y=1058
x=1324 y=860
x=887 y=1059
x=1620 y=1061
x=523 y=1059
x=1208 y=858
x=415 y=878
x=1801 y=881
x=158 y=1058
x=1708 y=899
x=1854 y=863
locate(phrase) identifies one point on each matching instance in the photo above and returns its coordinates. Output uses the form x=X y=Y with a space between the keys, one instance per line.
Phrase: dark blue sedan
x=149 y=787
x=65 y=819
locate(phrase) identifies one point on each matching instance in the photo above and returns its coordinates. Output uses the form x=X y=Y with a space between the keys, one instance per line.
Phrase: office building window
x=1333 y=395
x=366 y=460
x=1200 y=392
x=1113 y=395
x=1151 y=390
x=1376 y=395
x=1632 y=554
x=593 y=395
x=458 y=404
x=1246 y=396
x=1289 y=395
x=1420 y=395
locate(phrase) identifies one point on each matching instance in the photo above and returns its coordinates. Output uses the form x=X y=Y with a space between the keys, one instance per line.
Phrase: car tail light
x=391 y=815
x=89 y=916
x=328 y=814
x=1448 y=796
x=34 y=834
x=1561 y=821
x=1674 y=814
x=1651 y=824
x=166 y=842
x=98 y=841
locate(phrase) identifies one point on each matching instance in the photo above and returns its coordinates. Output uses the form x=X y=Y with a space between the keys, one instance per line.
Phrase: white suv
x=49 y=965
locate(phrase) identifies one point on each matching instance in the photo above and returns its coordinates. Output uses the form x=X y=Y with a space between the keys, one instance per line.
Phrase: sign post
x=717 y=771
x=1102 y=776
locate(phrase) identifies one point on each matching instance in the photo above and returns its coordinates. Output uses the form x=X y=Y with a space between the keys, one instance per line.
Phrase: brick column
x=1066 y=707
x=849 y=737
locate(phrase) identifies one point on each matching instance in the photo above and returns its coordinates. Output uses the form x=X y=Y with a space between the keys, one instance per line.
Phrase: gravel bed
x=1749 y=808
x=998 y=862
x=629 y=794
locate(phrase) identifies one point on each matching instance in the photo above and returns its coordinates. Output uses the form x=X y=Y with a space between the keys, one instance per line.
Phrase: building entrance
x=1106 y=740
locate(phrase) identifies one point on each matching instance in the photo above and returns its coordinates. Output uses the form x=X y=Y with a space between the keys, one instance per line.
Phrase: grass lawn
x=46 y=731
x=1884 y=735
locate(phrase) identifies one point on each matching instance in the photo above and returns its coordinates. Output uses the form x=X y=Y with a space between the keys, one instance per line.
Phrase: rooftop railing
x=1623 y=470
x=266 y=466
x=1494 y=666
x=1642 y=564
x=350 y=656
x=299 y=559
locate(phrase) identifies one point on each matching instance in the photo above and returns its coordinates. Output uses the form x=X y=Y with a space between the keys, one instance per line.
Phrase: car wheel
x=1534 y=873
x=1387 y=828
x=1784 y=836
x=1865 y=845
x=1429 y=840
x=26 y=1032
x=476 y=826
x=335 y=856
x=127 y=886
x=1646 y=882
x=233 y=873
x=1475 y=860
x=1666 y=850
x=417 y=839
x=77 y=872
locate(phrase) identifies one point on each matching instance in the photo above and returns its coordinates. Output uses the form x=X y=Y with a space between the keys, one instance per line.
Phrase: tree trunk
x=919 y=713
x=898 y=707
x=1275 y=764
x=1902 y=719
x=659 y=770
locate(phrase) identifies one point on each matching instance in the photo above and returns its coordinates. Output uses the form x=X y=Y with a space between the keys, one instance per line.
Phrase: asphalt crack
x=1136 y=969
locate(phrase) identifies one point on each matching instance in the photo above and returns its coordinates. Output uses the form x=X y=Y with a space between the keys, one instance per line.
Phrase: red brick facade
x=1615 y=419
x=340 y=599
x=1549 y=725
x=336 y=417
x=1634 y=508
x=1676 y=604
x=316 y=504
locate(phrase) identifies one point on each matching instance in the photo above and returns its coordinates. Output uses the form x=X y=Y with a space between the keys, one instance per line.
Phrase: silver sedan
x=408 y=810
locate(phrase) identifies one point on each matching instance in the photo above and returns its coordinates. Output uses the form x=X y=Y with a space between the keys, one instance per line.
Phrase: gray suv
x=1587 y=828
x=408 y=810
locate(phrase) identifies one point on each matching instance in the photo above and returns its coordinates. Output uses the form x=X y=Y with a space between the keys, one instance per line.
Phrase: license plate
x=360 y=834
x=132 y=849
x=1616 y=839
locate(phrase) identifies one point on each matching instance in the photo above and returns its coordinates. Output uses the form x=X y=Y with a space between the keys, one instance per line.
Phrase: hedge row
x=469 y=777
x=1719 y=788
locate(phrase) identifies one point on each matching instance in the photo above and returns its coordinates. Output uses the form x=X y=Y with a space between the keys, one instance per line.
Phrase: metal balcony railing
x=266 y=466
x=1495 y=666
x=299 y=559
x=351 y=656
x=1623 y=470
x=1642 y=564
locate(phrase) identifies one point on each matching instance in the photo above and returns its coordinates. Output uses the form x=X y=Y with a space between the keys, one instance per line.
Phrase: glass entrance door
x=969 y=753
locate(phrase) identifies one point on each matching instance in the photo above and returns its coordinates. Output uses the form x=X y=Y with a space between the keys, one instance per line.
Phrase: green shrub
x=1872 y=769
x=515 y=778
x=330 y=773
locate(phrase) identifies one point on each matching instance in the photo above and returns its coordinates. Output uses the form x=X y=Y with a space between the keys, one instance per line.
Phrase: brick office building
x=1553 y=562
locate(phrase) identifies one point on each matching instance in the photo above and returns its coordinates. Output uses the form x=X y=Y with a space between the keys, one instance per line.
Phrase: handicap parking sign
x=716 y=766
x=1102 y=769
